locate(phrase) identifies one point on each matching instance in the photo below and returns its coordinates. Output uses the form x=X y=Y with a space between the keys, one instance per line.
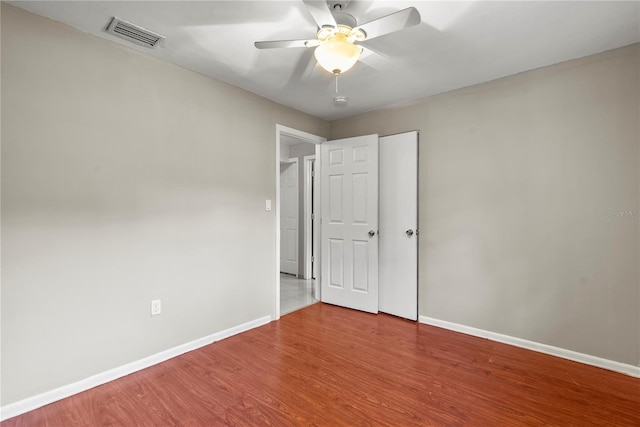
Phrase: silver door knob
x=372 y=233
x=409 y=232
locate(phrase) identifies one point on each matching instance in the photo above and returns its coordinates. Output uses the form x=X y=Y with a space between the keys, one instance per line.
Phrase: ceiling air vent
x=133 y=33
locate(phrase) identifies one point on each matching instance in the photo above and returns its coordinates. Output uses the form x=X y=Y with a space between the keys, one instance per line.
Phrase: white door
x=289 y=217
x=398 y=254
x=349 y=203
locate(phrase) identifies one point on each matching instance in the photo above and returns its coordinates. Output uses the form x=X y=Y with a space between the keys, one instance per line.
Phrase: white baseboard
x=13 y=409
x=599 y=362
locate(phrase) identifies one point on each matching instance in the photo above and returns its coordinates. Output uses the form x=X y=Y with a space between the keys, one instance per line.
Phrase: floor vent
x=133 y=33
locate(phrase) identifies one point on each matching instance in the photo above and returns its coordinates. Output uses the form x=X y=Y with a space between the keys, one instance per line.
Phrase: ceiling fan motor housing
x=337 y=5
x=338 y=10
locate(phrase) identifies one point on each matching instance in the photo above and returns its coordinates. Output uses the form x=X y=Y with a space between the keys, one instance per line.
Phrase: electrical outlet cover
x=156 y=307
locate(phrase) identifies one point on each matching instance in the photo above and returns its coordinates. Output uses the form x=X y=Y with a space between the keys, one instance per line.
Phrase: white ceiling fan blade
x=375 y=59
x=396 y=21
x=305 y=66
x=321 y=13
x=285 y=43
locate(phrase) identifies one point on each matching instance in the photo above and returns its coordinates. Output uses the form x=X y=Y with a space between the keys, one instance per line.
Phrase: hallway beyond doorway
x=295 y=293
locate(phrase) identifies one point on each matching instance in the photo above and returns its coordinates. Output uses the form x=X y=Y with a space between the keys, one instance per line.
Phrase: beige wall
x=124 y=179
x=529 y=190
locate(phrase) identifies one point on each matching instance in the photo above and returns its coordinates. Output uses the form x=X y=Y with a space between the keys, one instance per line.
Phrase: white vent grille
x=134 y=33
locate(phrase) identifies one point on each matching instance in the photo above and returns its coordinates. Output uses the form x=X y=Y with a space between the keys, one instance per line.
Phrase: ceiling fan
x=339 y=37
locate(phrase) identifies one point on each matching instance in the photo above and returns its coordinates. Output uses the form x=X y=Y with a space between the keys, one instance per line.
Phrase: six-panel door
x=349 y=186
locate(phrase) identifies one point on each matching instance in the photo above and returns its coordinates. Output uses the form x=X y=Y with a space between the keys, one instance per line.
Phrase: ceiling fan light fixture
x=337 y=54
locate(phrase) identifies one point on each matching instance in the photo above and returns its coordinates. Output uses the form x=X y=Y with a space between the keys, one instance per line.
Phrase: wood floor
x=329 y=366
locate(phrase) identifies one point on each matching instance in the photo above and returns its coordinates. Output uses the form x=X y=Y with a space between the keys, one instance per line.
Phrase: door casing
x=310 y=241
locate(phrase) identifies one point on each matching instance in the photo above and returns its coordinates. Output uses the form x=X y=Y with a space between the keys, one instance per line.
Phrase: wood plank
x=330 y=366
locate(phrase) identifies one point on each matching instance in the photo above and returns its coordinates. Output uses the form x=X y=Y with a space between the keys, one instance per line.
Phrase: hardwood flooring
x=329 y=366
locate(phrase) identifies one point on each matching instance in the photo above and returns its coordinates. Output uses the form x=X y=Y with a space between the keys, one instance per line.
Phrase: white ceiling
x=457 y=44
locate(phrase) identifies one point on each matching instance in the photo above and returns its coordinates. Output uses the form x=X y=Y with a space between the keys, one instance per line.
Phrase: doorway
x=400 y=158
x=295 y=283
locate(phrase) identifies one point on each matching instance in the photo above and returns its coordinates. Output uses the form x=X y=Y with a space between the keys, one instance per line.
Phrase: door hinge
x=313 y=216
x=313 y=173
x=313 y=259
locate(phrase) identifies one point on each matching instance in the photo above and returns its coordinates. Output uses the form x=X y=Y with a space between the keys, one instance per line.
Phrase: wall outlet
x=156 y=307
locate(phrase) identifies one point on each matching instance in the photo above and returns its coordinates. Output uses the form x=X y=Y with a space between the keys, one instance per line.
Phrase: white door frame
x=308 y=231
x=305 y=137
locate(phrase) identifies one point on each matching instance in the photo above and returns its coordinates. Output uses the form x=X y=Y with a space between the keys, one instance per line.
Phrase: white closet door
x=398 y=254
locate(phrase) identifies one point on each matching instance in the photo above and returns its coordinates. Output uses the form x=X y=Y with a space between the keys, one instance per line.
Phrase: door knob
x=372 y=233
x=409 y=232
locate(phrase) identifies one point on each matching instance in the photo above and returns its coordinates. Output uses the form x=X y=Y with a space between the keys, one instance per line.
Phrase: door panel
x=349 y=200
x=289 y=217
x=398 y=254
x=336 y=260
x=336 y=197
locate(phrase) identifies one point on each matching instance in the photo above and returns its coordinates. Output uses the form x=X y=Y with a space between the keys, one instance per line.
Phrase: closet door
x=398 y=243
